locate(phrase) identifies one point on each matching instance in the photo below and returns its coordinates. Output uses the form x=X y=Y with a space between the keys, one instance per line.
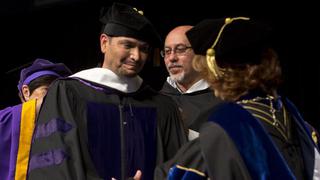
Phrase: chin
x=177 y=77
x=130 y=74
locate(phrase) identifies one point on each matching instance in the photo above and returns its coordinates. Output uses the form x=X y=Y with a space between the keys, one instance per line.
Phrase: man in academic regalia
x=17 y=122
x=185 y=85
x=105 y=123
x=256 y=134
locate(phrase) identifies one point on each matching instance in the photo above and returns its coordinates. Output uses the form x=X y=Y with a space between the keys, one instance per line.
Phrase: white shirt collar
x=198 y=86
x=108 y=78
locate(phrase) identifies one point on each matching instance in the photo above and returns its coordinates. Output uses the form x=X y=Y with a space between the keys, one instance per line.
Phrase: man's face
x=178 y=55
x=123 y=55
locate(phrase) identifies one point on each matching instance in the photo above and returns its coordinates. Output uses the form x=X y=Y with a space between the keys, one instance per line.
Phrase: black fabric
x=241 y=41
x=235 y=143
x=307 y=148
x=288 y=145
x=221 y=155
x=213 y=154
x=195 y=106
x=189 y=156
x=86 y=145
x=123 y=20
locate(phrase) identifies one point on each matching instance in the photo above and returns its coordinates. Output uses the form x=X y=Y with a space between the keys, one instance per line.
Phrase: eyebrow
x=136 y=43
x=176 y=45
x=127 y=41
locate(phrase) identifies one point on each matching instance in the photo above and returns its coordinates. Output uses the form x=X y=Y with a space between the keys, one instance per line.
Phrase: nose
x=135 y=54
x=172 y=57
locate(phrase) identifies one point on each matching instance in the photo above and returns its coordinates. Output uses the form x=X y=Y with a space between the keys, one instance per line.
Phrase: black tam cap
x=124 y=20
x=233 y=40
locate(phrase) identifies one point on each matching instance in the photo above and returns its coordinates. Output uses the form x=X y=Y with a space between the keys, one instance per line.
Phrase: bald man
x=184 y=85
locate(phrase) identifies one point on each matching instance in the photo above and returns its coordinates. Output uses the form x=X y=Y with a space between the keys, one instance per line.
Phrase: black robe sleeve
x=57 y=151
x=172 y=132
x=221 y=155
x=213 y=155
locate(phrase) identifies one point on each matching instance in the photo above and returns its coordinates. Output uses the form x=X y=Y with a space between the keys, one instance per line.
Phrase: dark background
x=68 y=31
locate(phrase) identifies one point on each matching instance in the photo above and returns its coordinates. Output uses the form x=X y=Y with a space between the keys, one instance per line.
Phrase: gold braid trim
x=191 y=170
x=314 y=137
x=211 y=54
x=139 y=11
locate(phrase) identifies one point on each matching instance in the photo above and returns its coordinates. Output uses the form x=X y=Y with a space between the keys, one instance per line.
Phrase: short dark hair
x=41 y=81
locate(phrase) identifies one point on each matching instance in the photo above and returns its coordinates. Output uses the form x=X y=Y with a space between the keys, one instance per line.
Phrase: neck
x=184 y=86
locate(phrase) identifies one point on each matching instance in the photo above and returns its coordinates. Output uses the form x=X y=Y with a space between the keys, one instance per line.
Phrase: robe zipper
x=123 y=147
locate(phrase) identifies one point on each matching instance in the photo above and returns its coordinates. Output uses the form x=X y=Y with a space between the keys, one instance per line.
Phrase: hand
x=137 y=176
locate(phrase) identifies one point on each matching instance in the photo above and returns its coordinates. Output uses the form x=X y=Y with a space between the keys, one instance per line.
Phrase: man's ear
x=104 y=39
x=25 y=93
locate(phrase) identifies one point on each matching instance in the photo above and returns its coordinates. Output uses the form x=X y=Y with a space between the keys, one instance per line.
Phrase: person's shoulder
x=163 y=98
x=8 y=111
x=158 y=99
x=11 y=107
x=67 y=82
x=5 y=109
x=147 y=90
x=65 y=85
x=167 y=89
x=227 y=106
x=228 y=111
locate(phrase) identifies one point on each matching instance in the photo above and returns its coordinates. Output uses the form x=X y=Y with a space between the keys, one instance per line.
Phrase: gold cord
x=139 y=11
x=275 y=122
x=211 y=55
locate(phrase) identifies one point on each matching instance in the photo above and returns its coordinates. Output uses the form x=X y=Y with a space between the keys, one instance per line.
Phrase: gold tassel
x=314 y=137
x=211 y=55
x=139 y=11
x=211 y=62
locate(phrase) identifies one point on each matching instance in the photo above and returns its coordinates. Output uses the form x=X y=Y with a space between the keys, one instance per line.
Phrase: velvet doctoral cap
x=42 y=67
x=124 y=20
x=234 y=40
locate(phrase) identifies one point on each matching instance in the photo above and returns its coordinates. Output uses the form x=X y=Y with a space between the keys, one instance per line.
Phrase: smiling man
x=184 y=85
x=105 y=122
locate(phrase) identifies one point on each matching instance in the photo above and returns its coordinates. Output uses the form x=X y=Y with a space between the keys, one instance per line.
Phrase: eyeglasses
x=178 y=50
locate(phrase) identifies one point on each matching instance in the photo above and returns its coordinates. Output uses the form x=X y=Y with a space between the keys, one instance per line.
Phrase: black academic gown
x=195 y=106
x=212 y=151
x=90 y=131
x=234 y=145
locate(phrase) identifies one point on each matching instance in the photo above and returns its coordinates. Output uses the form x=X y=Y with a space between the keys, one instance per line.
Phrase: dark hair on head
x=237 y=80
x=41 y=81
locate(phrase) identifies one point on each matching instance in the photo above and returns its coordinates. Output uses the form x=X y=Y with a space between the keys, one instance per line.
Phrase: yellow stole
x=27 y=124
